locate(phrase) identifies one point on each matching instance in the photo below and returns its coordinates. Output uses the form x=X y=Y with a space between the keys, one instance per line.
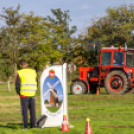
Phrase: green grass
x=108 y=114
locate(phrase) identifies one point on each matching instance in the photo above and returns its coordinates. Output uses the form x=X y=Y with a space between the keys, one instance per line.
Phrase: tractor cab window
x=105 y=58
x=129 y=59
x=118 y=58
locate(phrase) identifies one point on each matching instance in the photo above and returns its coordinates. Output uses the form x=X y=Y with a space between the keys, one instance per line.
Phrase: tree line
x=45 y=40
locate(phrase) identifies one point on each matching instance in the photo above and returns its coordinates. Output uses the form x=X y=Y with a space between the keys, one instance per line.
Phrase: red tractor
x=115 y=72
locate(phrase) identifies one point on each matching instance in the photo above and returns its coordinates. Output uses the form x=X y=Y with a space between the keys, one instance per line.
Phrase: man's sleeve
x=17 y=84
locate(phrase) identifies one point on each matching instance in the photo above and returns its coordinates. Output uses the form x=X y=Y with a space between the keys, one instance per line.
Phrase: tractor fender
x=83 y=80
x=128 y=72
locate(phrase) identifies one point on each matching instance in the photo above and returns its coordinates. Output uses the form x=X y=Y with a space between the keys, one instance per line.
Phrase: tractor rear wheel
x=116 y=83
x=78 y=87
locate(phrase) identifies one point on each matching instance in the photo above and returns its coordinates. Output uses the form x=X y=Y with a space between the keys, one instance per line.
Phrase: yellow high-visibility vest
x=28 y=82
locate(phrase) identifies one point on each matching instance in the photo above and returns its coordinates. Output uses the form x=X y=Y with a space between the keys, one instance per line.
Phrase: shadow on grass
x=13 y=125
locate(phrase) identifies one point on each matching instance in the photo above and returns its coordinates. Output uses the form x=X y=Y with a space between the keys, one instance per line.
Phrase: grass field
x=108 y=114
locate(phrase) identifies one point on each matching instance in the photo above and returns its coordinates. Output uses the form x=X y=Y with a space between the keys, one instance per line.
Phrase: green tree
x=11 y=35
x=83 y=53
x=6 y=72
x=35 y=42
x=115 y=28
x=61 y=33
x=45 y=38
x=39 y=40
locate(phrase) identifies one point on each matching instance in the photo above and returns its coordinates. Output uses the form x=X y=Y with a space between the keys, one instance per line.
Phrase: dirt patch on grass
x=8 y=105
x=101 y=97
x=9 y=97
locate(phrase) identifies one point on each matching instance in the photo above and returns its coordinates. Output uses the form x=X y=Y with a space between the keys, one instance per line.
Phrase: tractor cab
x=116 y=59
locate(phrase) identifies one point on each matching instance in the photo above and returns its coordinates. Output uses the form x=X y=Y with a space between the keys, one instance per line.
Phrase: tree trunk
x=15 y=68
x=8 y=83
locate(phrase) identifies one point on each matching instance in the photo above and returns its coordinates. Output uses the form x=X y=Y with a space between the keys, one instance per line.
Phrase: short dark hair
x=23 y=62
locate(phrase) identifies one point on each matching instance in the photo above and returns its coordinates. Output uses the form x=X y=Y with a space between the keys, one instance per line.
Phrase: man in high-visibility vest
x=26 y=86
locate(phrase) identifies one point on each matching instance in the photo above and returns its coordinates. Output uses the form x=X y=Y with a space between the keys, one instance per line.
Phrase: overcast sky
x=80 y=11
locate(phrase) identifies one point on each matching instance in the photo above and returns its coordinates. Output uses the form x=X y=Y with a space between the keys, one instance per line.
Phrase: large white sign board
x=54 y=94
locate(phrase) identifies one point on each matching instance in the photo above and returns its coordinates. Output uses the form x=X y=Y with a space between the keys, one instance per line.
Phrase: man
x=118 y=59
x=26 y=86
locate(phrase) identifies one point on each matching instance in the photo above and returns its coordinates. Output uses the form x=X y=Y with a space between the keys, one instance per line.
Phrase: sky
x=81 y=11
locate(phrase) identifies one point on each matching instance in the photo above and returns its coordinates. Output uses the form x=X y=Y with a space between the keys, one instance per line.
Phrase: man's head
x=23 y=63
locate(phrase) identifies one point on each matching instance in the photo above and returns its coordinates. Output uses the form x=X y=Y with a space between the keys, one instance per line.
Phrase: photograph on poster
x=52 y=93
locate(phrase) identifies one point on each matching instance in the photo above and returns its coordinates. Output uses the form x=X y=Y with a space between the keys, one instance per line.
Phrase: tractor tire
x=116 y=83
x=78 y=87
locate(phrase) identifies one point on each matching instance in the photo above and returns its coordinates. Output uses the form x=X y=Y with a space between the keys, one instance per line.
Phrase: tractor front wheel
x=78 y=87
x=116 y=83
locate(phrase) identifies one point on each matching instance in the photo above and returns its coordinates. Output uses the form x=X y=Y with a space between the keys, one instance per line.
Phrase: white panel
x=54 y=118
